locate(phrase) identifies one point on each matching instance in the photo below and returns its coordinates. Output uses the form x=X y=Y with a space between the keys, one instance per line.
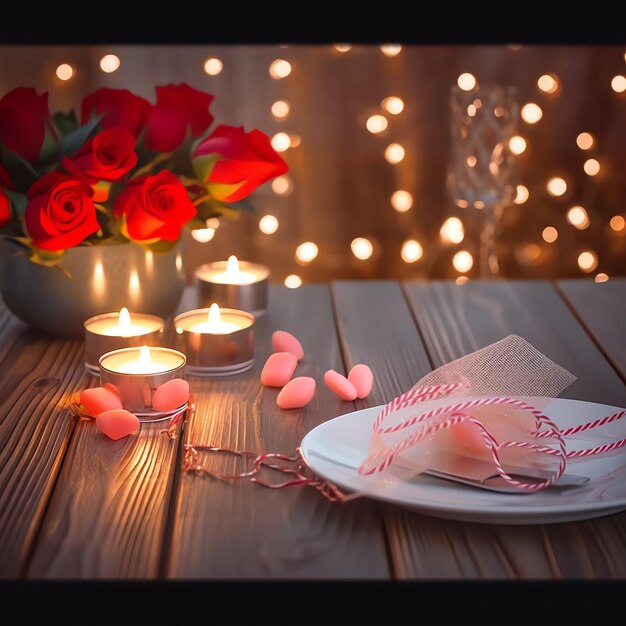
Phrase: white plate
x=336 y=448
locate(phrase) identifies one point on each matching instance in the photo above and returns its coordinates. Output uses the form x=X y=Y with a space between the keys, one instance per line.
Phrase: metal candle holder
x=137 y=390
x=250 y=297
x=97 y=344
x=216 y=354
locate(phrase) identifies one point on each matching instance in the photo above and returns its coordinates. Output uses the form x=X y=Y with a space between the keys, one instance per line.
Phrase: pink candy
x=98 y=400
x=362 y=378
x=340 y=385
x=171 y=395
x=279 y=369
x=282 y=341
x=117 y=423
x=296 y=393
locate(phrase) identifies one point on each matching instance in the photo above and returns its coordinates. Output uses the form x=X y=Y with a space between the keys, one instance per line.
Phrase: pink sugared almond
x=362 y=378
x=282 y=341
x=117 y=423
x=340 y=385
x=98 y=400
x=171 y=395
x=279 y=369
x=296 y=393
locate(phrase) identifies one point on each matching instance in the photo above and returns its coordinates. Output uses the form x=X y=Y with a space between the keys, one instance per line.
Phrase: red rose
x=5 y=204
x=23 y=120
x=60 y=212
x=247 y=160
x=177 y=108
x=120 y=108
x=108 y=156
x=155 y=207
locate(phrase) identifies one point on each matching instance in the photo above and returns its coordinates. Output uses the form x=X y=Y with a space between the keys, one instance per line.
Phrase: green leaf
x=66 y=123
x=18 y=200
x=21 y=172
x=72 y=142
x=203 y=165
x=195 y=222
x=49 y=148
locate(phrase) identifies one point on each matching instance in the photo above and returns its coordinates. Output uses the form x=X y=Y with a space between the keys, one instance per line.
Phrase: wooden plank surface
x=601 y=309
x=456 y=320
x=37 y=377
x=240 y=530
x=108 y=515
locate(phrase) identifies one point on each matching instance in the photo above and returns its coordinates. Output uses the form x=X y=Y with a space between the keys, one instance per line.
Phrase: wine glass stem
x=489 y=267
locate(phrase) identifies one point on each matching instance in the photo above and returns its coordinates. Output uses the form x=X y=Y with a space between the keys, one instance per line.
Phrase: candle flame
x=123 y=319
x=215 y=316
x=232 y=265
x=144 y=357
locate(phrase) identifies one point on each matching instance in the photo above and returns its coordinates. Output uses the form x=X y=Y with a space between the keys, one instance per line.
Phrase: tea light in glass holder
x=112 y=331
x=138 y=373
x=236 y=284
x=217 y=342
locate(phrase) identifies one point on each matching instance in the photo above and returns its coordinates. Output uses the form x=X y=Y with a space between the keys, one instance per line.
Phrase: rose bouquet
x=128 y=171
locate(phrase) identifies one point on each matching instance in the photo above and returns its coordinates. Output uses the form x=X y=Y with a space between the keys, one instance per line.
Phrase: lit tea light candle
x=217 y=342
x=136 y=374
x=237 y=284
x=112 y=331
x=144 y=364
x=214 y=323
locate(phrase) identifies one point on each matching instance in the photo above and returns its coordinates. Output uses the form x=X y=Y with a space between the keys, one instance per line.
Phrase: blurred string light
x=343 y=47
x=618 y=84
x=280 y=109
x=391 y=49
x=517 y=144
x=577 y=216
x=471 y=110
x=471 y=160
x=531 y=113
x=462 y=261
x=556 y=186
x=280 y=69
x=585 y=141
x=109 y=63
x=268 y=224
x=411 y=251
x=528 y=253
x=306 y=252
x=601 y=277
x=394 y=153
x=203 y=235
x=213 y=222
x=213 y=66
x=281 y=142
x=591 y=167
x=548 y=83
x=393 y=105
x=293 y=281
x=452 y=230
x=65 y=71
x=550 y=234
x=362 y=248
x=295 y=140
x=466 y=82
x=617 y=223
x=461 y=280
x=282 y=185
x=522 y=194
x=401 y=200
x=376 y=123
x=588 y=261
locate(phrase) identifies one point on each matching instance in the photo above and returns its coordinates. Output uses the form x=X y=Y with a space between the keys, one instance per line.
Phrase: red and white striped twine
x=454 y=414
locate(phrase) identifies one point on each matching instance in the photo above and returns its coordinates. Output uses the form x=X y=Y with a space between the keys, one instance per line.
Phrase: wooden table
x=74 y=504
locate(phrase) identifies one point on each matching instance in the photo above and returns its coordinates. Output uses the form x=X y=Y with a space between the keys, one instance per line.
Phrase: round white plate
x=336 y=448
